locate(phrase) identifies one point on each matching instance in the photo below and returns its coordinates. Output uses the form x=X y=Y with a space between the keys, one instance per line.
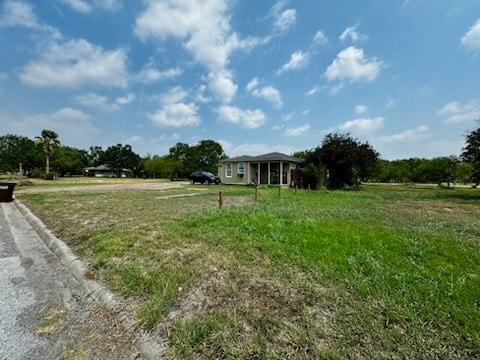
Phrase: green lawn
x=386 y=272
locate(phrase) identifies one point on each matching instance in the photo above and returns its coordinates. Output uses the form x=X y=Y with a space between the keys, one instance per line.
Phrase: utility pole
x=20 y=175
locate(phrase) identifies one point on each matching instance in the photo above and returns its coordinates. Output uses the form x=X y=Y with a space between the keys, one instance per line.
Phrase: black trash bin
x=6 y=192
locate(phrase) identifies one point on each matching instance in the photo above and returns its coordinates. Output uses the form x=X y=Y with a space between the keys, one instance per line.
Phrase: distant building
x=268 y=169
x=105 y=171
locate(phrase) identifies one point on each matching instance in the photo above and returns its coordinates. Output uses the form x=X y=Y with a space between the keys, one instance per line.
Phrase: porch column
x=259 y=175
x=281 y=173
x=268 y=172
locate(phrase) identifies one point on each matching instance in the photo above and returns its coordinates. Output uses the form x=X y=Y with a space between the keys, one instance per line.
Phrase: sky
x=255 y=76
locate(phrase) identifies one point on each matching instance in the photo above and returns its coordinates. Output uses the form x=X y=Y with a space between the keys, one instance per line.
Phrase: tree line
x=340 y=161
x=46 y=157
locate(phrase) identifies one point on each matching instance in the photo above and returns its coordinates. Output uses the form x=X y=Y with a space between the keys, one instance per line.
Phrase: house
x=105 y=171
x=268 y=169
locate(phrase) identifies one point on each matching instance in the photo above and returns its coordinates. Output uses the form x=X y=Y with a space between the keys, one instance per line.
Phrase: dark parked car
x=204 y=177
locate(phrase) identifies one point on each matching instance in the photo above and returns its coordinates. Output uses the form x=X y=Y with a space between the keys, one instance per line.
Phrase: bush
x=37 y=174
x=51 y=176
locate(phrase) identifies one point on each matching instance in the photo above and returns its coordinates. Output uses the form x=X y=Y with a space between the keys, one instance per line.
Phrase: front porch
x=270 y=173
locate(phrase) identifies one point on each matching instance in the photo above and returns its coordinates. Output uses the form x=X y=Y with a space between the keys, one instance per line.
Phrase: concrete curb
x=149 y=349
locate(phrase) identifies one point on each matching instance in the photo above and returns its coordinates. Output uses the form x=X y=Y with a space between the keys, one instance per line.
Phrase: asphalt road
x=43 y=311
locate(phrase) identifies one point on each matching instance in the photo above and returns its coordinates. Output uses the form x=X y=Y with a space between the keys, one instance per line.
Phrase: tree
x=69 y=161
x=347 y=160
x=49 y=142
x=121 y=157
x=95 y=155
x=471 y=153
x=203 y=156
x=18 y=149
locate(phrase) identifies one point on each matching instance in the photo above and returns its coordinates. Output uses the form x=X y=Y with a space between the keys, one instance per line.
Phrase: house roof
x=274 y=156
x=103 y=168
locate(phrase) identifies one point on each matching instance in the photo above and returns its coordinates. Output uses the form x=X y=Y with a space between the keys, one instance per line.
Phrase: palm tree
x=49 y=141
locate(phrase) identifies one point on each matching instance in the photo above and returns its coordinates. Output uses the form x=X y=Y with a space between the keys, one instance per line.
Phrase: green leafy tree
x=95 y=155
x=121 y=157
x=69 y=161
x=471 y=153
x=19 y=149
x=347 y=160
x=49 y=142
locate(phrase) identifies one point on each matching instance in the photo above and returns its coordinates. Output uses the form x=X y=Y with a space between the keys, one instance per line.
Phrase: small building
x=268 y=169
x=105 y=171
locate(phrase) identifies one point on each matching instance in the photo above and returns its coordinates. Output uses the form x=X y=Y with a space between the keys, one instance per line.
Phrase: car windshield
x=208 y=173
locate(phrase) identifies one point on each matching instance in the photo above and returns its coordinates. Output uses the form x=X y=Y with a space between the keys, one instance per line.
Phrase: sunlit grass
x=389 y=271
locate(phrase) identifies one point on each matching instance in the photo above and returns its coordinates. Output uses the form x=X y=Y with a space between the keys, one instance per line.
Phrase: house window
x=228 y=170
x=241 y=169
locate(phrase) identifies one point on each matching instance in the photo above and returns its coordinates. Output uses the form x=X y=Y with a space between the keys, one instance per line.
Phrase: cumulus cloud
x=299 y=131
x=284 y=19
x=176 y=115
x=204 y=27
x=320 y=38
x=76 y=63
x=472 y=38
x=362 y=126
x=408 y=136
x=268 y=93
x=360 y=109
x=298 y=60
x=455 y=112
x=352 y=34
x=352 y=65
x=102 y=102
x=150 y=74
x=250 y=119
x=175 y=112
x=20 y=13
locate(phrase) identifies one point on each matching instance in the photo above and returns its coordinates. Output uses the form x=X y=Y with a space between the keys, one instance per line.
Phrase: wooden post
x=308 y=187
x=279 y=190
x=296 y=189
x=256 y=194
x=220 y=199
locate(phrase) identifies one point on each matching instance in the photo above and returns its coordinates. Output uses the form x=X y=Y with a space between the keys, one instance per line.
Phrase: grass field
x=386 y=272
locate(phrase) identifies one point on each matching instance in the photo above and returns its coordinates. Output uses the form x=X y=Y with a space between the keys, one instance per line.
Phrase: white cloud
x=284 y=19
x=76 y=63
x=351 y=64
x=252 y=84
x=320 y=38
x=200 y=95
x=408 y=136
x=312 y=91
x=472 y=38
x=149 y=74
x=204 y=27
x=85 y=6
x=454 y=112
x=353 y=34
x=174 y=95
x=362 y=126
x=176 y=115
x=18 y=13
x=66 y=122
x=222 y=86
x=298 y=60
x=269 y=93
x=78 y=5
x=102 y=102
x=250 y=119
x=360 y=109
x=258 y=149
x=293 y=132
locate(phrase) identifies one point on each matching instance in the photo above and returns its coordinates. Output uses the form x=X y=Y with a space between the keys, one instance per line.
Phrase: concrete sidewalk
x=44 y=312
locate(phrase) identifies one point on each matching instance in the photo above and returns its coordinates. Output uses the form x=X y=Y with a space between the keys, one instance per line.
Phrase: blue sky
x=256 y=76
